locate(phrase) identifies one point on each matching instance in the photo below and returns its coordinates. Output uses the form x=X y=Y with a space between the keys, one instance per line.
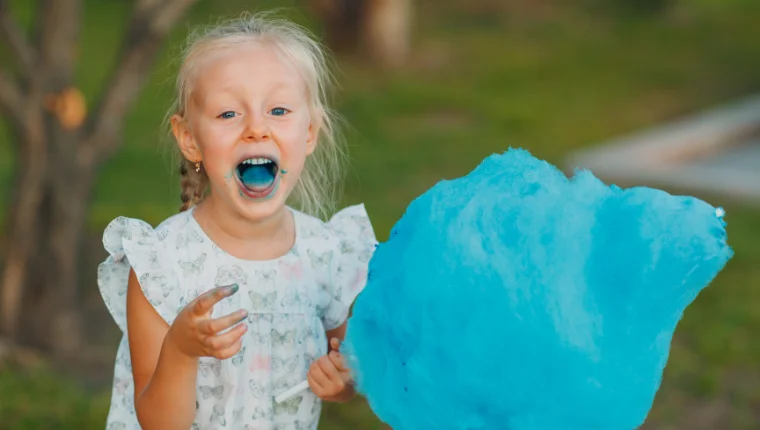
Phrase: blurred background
x=430 y=88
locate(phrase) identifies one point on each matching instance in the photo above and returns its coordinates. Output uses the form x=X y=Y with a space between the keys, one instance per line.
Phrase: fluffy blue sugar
x=516 y=298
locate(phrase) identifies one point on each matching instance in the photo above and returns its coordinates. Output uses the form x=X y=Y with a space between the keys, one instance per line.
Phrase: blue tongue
x=257 y=177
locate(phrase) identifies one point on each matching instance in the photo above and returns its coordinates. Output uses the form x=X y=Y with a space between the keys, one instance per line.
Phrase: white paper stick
x=292 y=391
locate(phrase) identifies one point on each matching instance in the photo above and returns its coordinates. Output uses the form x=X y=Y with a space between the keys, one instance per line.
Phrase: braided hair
x=193 y=184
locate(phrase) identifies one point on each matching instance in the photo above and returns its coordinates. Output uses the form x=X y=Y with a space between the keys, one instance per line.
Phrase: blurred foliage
x=637 y=6
x=549 y=76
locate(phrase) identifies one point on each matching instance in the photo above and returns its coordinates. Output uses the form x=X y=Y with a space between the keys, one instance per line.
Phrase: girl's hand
x=195 y=334
x=329 y=378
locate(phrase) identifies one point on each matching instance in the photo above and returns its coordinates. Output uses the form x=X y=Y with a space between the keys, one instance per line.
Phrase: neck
x=234 y=233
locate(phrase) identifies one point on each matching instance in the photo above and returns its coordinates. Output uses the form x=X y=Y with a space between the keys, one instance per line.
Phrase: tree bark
x=343 y=21
x=22 y=222
x=58 y=155
x=387 y=31
x=45 y=230
x=54 y=286
x=379 y=28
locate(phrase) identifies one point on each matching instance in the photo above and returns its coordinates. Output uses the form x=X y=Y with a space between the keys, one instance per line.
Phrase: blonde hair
x=319 y=185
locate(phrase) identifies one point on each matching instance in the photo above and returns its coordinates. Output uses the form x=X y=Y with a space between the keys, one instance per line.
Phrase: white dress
x=291 y=300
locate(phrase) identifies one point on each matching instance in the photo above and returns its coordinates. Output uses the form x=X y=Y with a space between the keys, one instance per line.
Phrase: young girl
x=232 y=301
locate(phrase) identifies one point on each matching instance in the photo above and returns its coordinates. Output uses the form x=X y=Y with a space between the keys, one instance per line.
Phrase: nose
x=257 y=128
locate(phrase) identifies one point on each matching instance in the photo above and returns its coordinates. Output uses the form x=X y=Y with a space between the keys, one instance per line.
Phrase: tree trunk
x=343 y=20
x=22 y=223
x=51 y=313
x=379 y=28
x=387 y=31
x=46 y=229
x=60 y=147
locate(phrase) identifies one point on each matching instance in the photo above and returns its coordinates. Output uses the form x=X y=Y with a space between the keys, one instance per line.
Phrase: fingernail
x=233 y=289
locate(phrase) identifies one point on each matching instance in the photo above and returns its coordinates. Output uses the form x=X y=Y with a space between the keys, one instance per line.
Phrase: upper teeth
x=257 y=161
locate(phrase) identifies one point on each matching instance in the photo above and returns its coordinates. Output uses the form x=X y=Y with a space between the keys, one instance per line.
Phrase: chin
x=260 y=211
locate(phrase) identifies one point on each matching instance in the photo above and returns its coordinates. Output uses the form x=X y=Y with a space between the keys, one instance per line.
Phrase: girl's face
x=248 y=121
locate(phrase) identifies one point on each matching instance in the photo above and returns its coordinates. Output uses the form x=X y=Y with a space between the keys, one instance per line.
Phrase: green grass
x=38 y=398
x=483 y=78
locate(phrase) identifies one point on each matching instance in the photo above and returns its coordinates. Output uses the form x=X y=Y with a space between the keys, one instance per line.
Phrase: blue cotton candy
x=515 y=298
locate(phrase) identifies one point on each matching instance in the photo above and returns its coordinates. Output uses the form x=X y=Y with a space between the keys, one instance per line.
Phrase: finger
x=205 y=302
x=213 y=327
x=329 y=369
x=315 y=386
x=229 y=351
x=221 y=341
x=337 y=360
x=319 y=377
x=335 y=344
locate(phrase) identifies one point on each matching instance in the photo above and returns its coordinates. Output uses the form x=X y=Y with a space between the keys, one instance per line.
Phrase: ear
x=185 y=139
x=313 y=133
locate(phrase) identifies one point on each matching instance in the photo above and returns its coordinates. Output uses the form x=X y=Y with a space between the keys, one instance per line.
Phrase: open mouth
x=257 y=177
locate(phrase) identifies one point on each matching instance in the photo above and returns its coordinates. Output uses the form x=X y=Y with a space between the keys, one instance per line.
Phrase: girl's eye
x=227 y=115
x=279 y=111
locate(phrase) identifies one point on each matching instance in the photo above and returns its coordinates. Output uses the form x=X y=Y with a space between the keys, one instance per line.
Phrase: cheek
x=293 y=135
x=295 y=167
x=294 y=156
x=215 y=145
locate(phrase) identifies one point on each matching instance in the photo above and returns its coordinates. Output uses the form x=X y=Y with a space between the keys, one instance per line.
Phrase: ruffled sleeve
x=356 y=242
x=135 y=244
